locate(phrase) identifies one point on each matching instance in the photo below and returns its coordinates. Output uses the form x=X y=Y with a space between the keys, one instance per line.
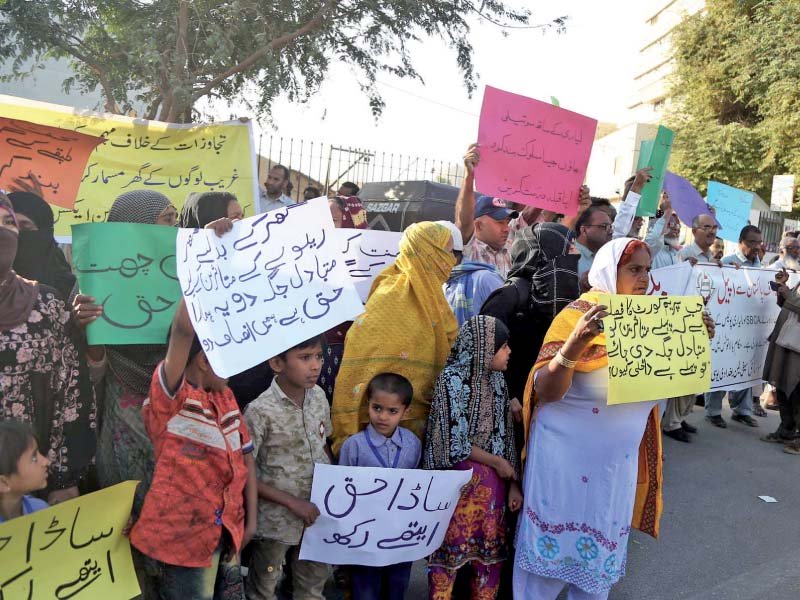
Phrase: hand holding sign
x=127 y=277
x=658 y=347
x=270 y=282
x=655 y=155
x=377 y=517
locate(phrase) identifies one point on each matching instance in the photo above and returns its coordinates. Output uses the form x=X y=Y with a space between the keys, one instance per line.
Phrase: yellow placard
x=72 y=550
x=139 y=154
x=658 y=347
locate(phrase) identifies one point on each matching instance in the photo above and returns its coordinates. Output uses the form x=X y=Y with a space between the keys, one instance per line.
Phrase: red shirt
x=199 y=440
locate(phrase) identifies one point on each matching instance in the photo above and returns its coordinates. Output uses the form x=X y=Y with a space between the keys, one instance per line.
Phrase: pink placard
x=532 y=152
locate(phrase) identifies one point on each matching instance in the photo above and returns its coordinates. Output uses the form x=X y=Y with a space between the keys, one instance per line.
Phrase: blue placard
x=733 y=208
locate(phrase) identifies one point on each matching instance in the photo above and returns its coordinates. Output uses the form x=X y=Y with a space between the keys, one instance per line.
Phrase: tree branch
x=275 y=44
x=181 y=54
x=111 y=104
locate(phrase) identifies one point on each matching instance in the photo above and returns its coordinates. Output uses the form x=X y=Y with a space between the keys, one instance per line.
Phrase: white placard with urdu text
x=366 y=253
x=378 y=517
x=744 y=308
x=271 y=282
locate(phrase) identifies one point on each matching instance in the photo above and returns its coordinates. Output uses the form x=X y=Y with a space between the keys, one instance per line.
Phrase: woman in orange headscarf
x=592 y=470
x=407 y=328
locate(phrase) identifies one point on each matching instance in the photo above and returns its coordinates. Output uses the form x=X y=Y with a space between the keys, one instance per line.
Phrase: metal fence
x=327 y=166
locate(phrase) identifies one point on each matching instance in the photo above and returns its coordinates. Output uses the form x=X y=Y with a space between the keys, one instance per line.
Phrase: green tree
x=170 y=54
x=736 y=94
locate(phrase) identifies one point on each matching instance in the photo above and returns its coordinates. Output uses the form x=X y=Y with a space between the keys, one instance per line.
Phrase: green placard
x=655 y=154
x=130 y=270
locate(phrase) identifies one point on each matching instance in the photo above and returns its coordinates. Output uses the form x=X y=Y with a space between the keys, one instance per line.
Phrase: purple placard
x=686 y=200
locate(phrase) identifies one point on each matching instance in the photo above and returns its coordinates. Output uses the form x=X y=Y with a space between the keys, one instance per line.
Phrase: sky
x=589 y=69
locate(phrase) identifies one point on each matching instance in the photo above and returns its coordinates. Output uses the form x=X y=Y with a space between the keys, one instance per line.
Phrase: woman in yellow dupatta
x=407 y=328
x=592 y=470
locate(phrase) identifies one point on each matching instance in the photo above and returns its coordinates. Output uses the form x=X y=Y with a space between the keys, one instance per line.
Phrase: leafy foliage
x=736 y=94
x=169 y=54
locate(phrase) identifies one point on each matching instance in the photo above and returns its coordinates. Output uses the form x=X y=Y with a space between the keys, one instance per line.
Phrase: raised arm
x=655 y=237
x=627 y=210
x=584 y=202
x=465 y=203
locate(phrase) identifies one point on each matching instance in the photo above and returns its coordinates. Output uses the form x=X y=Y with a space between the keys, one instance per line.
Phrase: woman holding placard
x=592 y=470
x=122 y=373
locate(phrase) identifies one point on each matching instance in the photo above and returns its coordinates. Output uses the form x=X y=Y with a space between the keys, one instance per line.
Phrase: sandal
x=793 y=448
x=758 y=411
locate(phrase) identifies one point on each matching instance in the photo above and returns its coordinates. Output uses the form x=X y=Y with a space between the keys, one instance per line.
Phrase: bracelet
x=564 y=361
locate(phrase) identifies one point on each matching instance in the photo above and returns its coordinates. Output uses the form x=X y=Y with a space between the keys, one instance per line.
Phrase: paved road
x=718 y=540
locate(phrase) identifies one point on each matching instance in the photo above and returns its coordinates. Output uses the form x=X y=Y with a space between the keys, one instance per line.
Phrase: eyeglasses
x=753 y=243
x=606 y=226
x=709 y=228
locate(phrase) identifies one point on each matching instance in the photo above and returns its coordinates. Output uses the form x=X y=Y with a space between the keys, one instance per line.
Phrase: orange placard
x=48 y=156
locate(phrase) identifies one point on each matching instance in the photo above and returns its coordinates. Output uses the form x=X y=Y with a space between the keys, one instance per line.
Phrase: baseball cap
x=496 y=208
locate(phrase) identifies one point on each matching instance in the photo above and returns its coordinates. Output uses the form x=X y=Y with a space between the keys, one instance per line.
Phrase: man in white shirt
x=704 y=231
x=790 y=254
x=272 y=196
x=594 y=228
x=664 y=237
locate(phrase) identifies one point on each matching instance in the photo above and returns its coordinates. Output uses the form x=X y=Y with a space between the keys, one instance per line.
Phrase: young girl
x=23 y=470
x=470 y=427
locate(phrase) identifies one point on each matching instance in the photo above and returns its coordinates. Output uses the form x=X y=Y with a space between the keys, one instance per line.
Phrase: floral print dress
x=579 y=487
x=41 y=384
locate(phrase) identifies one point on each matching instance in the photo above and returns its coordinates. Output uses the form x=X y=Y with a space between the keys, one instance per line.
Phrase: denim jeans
x=741 y=402
x=221 y=581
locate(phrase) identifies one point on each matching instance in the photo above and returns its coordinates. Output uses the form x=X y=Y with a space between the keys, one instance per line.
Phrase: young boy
x=192 y=524
x=383 y=444
x=23 y=470
x=290 y=424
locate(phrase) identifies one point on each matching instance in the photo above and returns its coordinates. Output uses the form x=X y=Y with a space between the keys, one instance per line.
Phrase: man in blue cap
x=486 y=222
x=489 y=225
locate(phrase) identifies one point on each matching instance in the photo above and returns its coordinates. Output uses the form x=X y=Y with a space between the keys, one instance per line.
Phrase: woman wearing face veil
x=40 y=369
x=543 y=280
x=122 y=373
x=38 y=256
